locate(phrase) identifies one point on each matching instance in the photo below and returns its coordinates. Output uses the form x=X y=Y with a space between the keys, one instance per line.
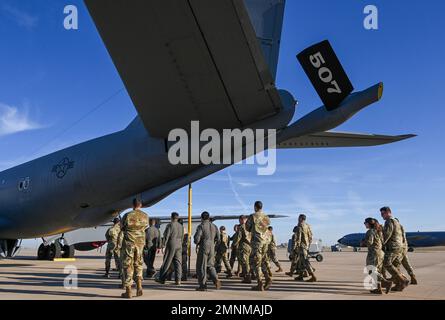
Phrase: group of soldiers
x=136 y=238
x=387 y=252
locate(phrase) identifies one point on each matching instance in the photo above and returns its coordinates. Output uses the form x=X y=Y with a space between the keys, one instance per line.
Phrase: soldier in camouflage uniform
x=152 y=246
x=374 y=242
x=257 y=224
x=303 y=240
x=221 y=252
x=272 y=251
x=173 y=236
x=244 y=250
x=206 y=236
x=134 y=224
x=405 y=260
x=112 y=236
x=393 y=246
x=234 y=250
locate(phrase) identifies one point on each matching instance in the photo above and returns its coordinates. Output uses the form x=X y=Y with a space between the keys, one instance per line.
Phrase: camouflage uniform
x=393 y=245
x=303 y=240
x=112 y=236
x=152 y=244
x=269 y=238
x=272 y=251
x=244 y=250
x=173 y=236
x=207 y=234
x=257 y=224
x=405 y=260
x=134 y=224
x=374 y=242
x=221 y=253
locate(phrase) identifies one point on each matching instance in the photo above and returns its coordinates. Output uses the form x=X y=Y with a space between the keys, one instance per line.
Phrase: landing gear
x=58 y=249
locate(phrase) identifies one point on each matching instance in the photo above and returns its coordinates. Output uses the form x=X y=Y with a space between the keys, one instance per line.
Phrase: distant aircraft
x=210 y=61
x=415 y=239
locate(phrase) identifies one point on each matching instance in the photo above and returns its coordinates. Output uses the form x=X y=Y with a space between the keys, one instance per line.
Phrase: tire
x=42 y=252
x=319 y=258
x=55 y=251
x=68 y=251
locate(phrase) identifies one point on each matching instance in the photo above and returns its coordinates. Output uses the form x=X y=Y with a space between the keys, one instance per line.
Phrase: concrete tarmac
x=340 y=276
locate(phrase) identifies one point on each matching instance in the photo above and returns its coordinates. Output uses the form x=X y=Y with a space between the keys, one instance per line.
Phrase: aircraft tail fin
x=267 y=18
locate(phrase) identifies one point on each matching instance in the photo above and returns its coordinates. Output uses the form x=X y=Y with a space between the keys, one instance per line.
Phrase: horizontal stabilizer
x=331 y=139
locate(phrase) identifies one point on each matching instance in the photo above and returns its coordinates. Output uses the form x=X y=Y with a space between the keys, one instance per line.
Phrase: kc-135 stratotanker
x=209 y=61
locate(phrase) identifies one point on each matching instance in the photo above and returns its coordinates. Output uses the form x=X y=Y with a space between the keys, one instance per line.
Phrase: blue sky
x=52 y=79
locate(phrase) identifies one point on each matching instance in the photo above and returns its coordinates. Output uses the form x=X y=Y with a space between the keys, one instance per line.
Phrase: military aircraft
x=415 y=239
x=210 y=61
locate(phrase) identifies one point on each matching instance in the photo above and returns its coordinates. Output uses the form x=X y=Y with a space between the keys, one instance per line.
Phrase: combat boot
x=229 y=275
x=312 y=279
x=387 y=285
x=378 y=290
x=259 y=286
x=268 y=284
x=127 y=293
x=413 y=279
x=217 y=284
x=201 y=288
x=177 y=282
x=279 y=269
x=139 y=290
x=247 y=279
x=290 y=274
x=299 y=278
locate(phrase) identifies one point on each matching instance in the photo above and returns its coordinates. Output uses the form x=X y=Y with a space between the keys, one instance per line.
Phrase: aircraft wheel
x=55 y=251
x=68 y=251
x=319 y=258
x=42 y=252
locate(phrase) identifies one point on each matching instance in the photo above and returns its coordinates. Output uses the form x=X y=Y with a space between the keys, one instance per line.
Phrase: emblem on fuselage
x=62 y=167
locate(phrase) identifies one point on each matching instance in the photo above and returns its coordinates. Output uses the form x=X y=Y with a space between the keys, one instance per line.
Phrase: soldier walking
x=393 y=244
x=221 y=252
x=234 y=250
x=112 y=237
x=173 y=236
x=206 y=236
x=374 y=241
x=405 y=260
x=152 y=246
x=244 y=250
x=272 y=251
x=134 y=224
x=257 y=224
x=303 y=240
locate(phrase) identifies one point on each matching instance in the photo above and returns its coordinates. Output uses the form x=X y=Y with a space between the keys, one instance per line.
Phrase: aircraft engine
x=9 y=248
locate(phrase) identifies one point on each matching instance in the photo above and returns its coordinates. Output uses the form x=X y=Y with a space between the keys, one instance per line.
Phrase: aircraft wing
x=331 y=139
x=193 y=60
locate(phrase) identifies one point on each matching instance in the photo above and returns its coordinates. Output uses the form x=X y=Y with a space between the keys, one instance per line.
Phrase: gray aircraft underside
x=212 y=61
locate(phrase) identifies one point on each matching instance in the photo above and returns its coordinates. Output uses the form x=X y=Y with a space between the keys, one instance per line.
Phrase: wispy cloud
x=13 y=120
x=22 y=18
x=246 y=184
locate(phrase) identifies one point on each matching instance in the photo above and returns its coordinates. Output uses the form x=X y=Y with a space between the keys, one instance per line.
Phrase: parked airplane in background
x=415 y=239
x=209 y=61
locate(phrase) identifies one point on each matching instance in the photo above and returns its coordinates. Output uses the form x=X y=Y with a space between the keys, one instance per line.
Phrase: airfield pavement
x=340 y=276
